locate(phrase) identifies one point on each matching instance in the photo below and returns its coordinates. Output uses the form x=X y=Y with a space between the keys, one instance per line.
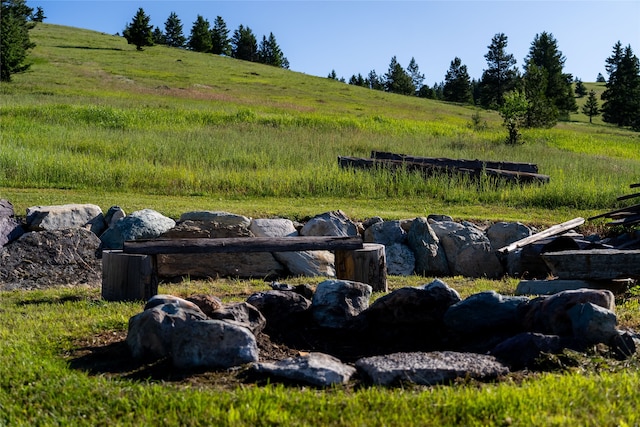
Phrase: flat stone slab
x=429 y=368
x=549 y=287
x=318 y=369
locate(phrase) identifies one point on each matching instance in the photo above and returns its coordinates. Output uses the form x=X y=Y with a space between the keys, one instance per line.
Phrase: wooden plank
x=628 y=196
x=241 y=244
x=549 y=287
x=626 y=220
x=551 y=231
x=608 y=214
x=459 y=163
x=128 y=277
x=594 y=264
x=430 y=169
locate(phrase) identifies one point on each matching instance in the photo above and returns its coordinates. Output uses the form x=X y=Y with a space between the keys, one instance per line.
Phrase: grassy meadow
x=95 y=121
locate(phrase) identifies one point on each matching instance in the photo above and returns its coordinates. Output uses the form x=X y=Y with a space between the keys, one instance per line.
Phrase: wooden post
x=367 y=265
x=128 y=277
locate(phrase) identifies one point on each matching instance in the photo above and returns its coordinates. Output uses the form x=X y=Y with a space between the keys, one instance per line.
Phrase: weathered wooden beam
x=458 y=163
x=608 y=214
x=241 y=244
x=551 y=231
x=594 y=264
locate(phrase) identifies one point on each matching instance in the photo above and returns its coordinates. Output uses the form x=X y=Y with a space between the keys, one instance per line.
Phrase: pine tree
x=544 y=53
x=220 y=43
x=501 y=74
x=397 y=80
x=270 y=53
x=139 y=31
x=591 y=107
x=358 y=81
x=173 y=35
x=244 y=45
x=200 y=39
x=416 y=77
x=514 y=114
x=332 y=75
x=158 y=36
x=14 y=37
x=457 y=85
x=600 y=78
x=541 y=112
x=622 y=96
x=39 y=15
x=581 y=90
x=375 y=82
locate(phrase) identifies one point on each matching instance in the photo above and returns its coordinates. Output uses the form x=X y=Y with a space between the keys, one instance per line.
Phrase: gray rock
x=485 y=312
x=522 y=350
x=334 y=223
x=385 y=233
x=336 y=302
x=6 y=209
x=502 y=234
x=222 y=218
x=549 y=314
x=241 y=314
x=142 y=224
x=206 y=229
x=44 y=259
x=162 y=299
x=317 y=369
x=112 y=216
x=429 y=368
x=10 y=230
x=60 y=217
x=592 y=323
x=439 y=218
x=280 y=308
x=150 y=333
x=370 y=221
x=305 y=263
x=212 y=344
x=399 y=259
x=207 y=303
x=468 y=251
x=429 y=255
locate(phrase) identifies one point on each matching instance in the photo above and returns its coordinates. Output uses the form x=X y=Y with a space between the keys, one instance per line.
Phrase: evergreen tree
x=200 y=39
x=375 y=82
x=600 y=78
x=426 y=92
x=14 y=37
x=173 y=35
x=622 y=96
x=139 y=31
x=270 y=53
x=514 y=114
x=457 y=85
x=158 y=36
x=244 y=45
x=397 y=80
x=581 y=90
x=544 y=53
x=220 y=43
x=541 y=112
x=39 y=15
x=438 y=90
x=416 y=77
x=358 y=81
x=501 y=74
x=591 y=107
x=332 y=75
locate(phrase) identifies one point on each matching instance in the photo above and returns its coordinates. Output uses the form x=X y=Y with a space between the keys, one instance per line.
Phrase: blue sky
x=354 y=37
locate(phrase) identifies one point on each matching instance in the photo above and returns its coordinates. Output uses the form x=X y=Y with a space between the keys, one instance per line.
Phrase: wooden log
x=633 y=208
x=549 y=287
x=241 y=244
x=366 y=265
x=551 y=231
x=431 y=169
x=459 y=163
x=128 y=277
x=594 y=264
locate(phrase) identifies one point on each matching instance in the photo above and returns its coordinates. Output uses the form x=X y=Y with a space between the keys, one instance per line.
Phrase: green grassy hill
x=96 y=121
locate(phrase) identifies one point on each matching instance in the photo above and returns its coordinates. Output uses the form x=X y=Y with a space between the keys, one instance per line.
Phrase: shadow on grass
x=90 y=48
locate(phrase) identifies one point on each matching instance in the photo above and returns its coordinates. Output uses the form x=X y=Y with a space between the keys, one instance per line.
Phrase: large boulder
x=59 y=217
x=10 y=228
x=334 y=223
x=317 y=369
x=430 y=259
x=142 y=224
x=222 y=218
x=385 y=233
x=150 y=333
x=593 y=324
x=44 y=259
x=212 y=344
x=281 y=309
x=468 y=250
x=485 y=312
x=399 y=259
x=502 y=234
x=303 y=263
x=337 y=302
x=241 y=314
